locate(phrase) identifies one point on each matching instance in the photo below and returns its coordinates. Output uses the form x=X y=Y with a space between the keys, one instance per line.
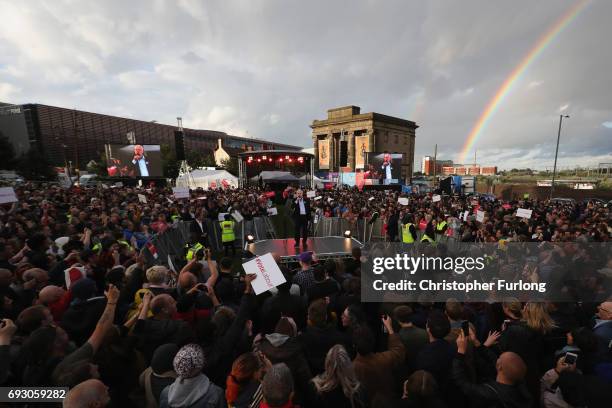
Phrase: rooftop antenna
x=179 y=121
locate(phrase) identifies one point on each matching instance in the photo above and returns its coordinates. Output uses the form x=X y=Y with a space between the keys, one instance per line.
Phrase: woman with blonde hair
x=537 y=318
x=338 y=386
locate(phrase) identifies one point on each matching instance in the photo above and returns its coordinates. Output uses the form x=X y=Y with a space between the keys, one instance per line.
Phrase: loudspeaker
x=445 y=186
x=179 y=145
x=343 y=153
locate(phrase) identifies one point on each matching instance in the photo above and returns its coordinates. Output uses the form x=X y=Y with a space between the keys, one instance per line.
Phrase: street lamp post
x=552 y=184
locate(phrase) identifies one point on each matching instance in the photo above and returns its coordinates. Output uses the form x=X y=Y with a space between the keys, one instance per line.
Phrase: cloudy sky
x=266 y=69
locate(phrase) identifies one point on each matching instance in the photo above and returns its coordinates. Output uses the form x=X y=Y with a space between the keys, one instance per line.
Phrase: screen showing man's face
x=138 y=150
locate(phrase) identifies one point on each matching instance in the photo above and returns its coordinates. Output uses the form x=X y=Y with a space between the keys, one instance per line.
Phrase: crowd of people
x=82 y=308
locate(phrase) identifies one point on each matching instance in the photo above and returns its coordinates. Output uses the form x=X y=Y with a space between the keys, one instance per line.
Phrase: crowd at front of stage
x=82 y=308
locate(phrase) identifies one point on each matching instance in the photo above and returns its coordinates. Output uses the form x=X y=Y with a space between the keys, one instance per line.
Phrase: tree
x=230 y=165
x=170 y=164
x=34 y=166
x=7 y=153
x=197 y=159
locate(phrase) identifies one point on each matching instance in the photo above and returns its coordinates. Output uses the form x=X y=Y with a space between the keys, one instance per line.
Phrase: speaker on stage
x=343 y=153
x=179 y=145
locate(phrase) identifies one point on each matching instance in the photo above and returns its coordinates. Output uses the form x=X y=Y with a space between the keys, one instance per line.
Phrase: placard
x=180 y=192
x=436 y=197
x=237 y=216
x=222 y=217
x=142 y=198
x=272 y=211
x=318 y=198
x=465 y=215
x=480 y=216
x=7 y=195
x=311 y=194
x=402 y=201
x=268 y=273
x=523 y=213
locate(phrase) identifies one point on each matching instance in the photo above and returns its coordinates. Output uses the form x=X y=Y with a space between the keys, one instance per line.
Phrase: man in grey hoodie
x=192 y=389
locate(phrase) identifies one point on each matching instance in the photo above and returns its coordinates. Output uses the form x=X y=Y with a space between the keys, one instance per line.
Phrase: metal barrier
x=171 y=243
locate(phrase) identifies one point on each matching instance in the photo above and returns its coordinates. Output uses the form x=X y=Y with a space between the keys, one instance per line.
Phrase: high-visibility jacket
x=124 y=243
x=193 y=250
x=426 y=238
x=227 y=231
x=406 y=234
x=97 y=247
x=441 y=226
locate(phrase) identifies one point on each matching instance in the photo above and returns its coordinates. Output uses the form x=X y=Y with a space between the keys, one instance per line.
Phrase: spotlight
x=270 y=160
x=258 y=160
x=264 y=157
x=250 y=239
x=347 y=234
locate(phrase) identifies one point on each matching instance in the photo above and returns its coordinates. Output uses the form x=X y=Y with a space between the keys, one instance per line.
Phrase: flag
x=152 y=249
x=73 y=274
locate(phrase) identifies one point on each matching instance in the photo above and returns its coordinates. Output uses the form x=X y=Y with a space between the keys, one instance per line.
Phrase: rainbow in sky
x=515 y=75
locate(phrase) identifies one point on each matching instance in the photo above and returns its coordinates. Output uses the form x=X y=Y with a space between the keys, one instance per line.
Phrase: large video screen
x=133 y=161
x=384 y=167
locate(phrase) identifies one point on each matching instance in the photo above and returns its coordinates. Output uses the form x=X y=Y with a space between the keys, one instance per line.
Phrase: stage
x=323 y=247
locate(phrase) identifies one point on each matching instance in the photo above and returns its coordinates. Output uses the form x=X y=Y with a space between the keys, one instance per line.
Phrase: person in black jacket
x=437 y=356
x=161 y=328
x=300 y=208
x=507 y=391
x=320 y=336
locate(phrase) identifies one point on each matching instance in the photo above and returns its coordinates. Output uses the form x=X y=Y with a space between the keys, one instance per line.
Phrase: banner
x=7 y=195
x=268 y=273
x=523 y=213
x=324 y=153
x=362 y=146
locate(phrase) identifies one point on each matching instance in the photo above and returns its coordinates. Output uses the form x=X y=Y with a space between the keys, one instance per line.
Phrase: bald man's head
x=50 y=294
x=39 y=275
x=88 y=394
x=187 y=280
x=604 y=311
x=163 y=306
x=511 y=368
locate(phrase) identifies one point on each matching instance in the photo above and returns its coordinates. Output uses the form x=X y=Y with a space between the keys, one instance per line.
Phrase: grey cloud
x=271 y=67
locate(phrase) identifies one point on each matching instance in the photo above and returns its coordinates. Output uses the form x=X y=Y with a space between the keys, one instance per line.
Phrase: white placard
x=480 y=215
x=402 y=201
x=318 y=198
x=465 y=215
x=180 y=192
x=142 y=198
x=311 y=194
x=370 y=199
x=436 y=197
x=268 y=273
x=237 y=216
x=523 y=213
x=7 y=195
x=272 y=211
x=222 y=217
